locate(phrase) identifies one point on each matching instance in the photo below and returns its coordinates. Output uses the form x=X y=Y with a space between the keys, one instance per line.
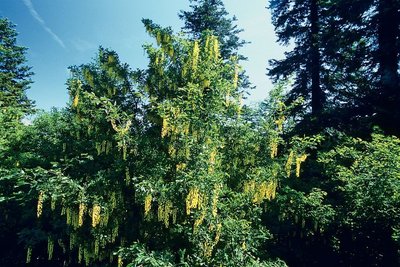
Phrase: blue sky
x=61 y=33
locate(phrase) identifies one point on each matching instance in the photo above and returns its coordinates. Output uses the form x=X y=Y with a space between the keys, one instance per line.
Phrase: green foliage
x=166 y=167
x=367 y=174
x=210 y=15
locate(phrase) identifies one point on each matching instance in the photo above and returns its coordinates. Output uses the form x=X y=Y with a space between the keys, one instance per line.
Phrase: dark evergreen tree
x=212 y=15
x=300 y=22
x=14 y=104
x=345 y=60
x=14 y=73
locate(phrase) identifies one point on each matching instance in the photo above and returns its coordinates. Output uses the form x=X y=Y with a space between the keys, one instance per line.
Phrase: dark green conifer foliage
x=212 y=15
x=300 y=23
x=14 y=73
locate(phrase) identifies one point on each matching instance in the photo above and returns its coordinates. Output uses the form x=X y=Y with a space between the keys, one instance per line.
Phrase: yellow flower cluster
x=274 y=148
x=76 y=100
x=82 y=209
x=195 y=55
x=289 y=162
x=147 y=204
x=39 y=209
x=216 y=48
x=207 y=249
x=260 y=192
x=213 y=154
x=164 y=130
x=212 y=46
x=104 y=218
x=265 y=191
x=180 y=166
x=193 y=199
x=165 y=210
x=208 y=246
x=103 y=147
x=218 y=233
x=158 y=38
x=249 y=186
x=120 y=262
x=279 y=123
x=236 y=77
x=72 y=217
x=96 y=215
x=199 y=220
x=299 y=160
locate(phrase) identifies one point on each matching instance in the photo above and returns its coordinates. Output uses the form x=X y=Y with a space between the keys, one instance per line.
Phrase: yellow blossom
x=96 y=215
x=299 y=160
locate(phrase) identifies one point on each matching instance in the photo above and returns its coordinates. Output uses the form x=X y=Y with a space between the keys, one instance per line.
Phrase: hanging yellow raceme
x=82 y=209
x=76 y=101
x=216 y=48
x=192 y=199
x=96 y=215
x=299 y=160
x=265 y=191
x=199 y=220
x=279 y=123
x=289 y=162
x=164 y=130
x=274 y=148
x=76 y=97
x=147 y=204
x=120 y=262
x=39 y=208
x=195 y=55
x=236 y=77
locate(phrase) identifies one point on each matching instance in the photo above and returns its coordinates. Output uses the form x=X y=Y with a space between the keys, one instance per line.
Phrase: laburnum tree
x=161 y=166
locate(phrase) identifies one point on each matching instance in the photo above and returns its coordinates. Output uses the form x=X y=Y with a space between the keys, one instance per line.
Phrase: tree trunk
x=317 y=97
x=388 y=33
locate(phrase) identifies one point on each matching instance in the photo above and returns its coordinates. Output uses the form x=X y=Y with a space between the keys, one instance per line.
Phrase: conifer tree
x=14 y=73
x=212 y=15
x=14 y=104
x=300 y=22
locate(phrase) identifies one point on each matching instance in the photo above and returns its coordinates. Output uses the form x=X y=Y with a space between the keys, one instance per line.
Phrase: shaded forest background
x=165 y=166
